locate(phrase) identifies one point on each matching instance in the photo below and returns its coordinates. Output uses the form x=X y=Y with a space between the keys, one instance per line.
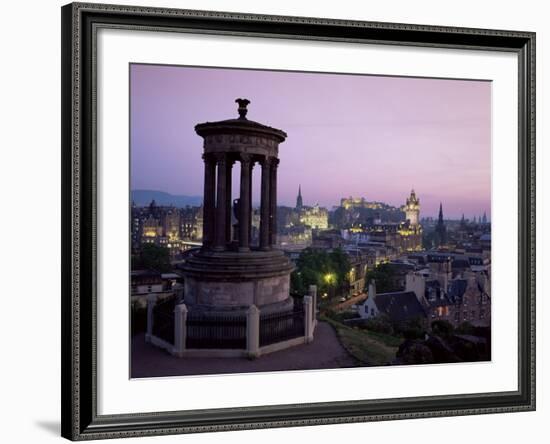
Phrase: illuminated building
x=359 y=202
x=412 y=209
x=151 y=230
x=314 y=217
x=191 y=222
x=296 y=224
x=171 y=225
x=401 y=236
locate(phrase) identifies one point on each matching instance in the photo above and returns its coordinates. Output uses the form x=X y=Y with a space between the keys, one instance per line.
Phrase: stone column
x=265 y=206
x=209 y=200
x=151 y=302
x=308 y=321
x=244 y=203
x=229 y=203
x=250 y=202
x=253 y=332
x=273 y=203
x=312 y=291
x=221 y=203
x=180 y=329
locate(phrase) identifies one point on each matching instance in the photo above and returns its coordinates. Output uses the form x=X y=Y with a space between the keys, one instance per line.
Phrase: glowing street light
x=330 y=278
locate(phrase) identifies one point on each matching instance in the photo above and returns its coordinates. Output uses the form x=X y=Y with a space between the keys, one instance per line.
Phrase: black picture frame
x=79 y=169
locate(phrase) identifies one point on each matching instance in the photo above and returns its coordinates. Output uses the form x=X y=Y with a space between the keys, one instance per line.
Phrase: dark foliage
x=327 y=270
x=384 y=276
x=152 y=257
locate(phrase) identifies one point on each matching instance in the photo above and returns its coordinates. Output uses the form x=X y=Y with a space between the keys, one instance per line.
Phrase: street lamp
x=330 y=279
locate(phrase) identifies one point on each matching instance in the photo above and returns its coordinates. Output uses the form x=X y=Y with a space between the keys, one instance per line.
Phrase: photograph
x=296 y=221
x=284 y=218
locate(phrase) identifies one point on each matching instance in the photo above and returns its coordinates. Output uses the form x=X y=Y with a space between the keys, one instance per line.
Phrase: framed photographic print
x=278 y=221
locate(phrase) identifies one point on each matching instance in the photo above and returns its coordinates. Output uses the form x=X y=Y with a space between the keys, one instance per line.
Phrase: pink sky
x=366 y=136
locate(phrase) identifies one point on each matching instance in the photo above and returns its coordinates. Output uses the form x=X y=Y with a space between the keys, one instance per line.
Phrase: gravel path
x=324 y=352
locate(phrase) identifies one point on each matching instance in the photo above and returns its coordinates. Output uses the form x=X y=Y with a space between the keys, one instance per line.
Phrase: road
x=352 y=301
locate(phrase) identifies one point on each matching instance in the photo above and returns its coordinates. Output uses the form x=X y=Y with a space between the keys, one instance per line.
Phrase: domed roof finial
x=243 y=103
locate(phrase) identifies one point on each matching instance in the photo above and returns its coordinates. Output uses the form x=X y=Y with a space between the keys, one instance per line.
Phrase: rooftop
x=399 y=306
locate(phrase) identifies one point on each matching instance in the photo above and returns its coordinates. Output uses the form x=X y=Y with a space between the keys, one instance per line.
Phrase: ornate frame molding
x=80 y=22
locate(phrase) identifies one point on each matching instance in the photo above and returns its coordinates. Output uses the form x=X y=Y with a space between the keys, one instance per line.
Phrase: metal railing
x=228 y=330
x=278 y=327
x=210 y=331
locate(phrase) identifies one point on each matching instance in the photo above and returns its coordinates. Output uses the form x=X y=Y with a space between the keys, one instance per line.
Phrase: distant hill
x=144 y=197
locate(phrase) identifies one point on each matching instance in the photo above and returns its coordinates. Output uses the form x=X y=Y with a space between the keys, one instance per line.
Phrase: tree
x=384 y=277
x=414 y=328
x=465 y=328
x=341 y=265
x=442 y=328
x=152 y=257
x=328 y=271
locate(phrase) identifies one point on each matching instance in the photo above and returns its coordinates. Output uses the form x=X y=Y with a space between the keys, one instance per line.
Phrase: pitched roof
x=399 y=306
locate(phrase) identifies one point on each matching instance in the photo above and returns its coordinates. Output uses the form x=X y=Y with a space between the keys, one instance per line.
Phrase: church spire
x=299 y=202
x=440 y=229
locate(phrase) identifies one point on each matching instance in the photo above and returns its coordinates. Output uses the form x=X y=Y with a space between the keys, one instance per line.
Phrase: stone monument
x=228 y=274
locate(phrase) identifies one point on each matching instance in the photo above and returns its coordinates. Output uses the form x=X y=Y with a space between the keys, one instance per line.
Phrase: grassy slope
x=368 y=347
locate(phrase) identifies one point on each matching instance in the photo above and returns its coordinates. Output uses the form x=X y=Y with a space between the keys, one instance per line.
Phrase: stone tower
x=412 y=209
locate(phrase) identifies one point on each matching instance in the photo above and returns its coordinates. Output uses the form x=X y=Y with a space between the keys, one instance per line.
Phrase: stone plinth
x=221 y=281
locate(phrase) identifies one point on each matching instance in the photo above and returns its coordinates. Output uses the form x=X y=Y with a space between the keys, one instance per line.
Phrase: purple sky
x=356 y=135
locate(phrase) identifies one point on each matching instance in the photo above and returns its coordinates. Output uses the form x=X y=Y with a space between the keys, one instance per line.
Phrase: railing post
x=151 y=302
x=308 y=318
x=180 y=329
x=253 y=332
x=312 y=291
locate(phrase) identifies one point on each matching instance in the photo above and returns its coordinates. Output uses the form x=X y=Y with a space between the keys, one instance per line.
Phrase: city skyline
x=256 y=204
x=365 y=136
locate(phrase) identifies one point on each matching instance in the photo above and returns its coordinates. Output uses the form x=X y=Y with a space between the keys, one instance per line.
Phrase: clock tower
x=412 y=209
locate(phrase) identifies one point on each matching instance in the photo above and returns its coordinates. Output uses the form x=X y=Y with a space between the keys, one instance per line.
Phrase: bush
x=414 y=352
x=412 y=329
x=379 y=324
x=442 y=328
x=465 y=328
x=413 y=333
